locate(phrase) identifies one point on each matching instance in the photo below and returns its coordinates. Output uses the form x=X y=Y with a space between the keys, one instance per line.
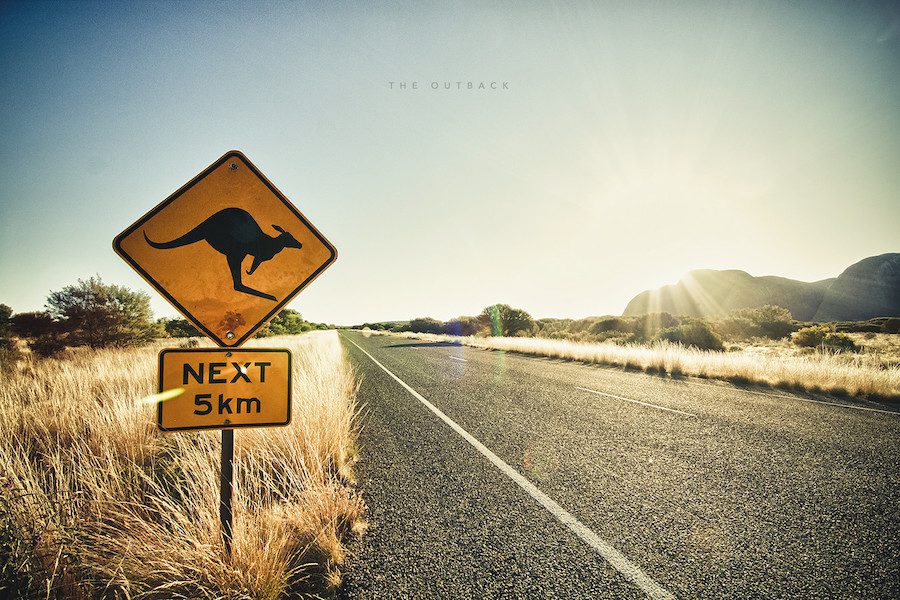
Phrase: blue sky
x=636 y=141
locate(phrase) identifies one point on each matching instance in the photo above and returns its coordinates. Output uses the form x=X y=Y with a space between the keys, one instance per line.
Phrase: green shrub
x=646 y=327
x=462 y=326
x=810 y=337
x=769 y=321
x=426 y=325
x=839 y=341
x=737 y=327
x=286 y=322
x=694 y=333
x=179 y=328
x=47 y=346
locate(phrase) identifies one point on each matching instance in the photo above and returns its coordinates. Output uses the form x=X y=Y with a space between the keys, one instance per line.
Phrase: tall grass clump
x=95 y=502
x=825 y=371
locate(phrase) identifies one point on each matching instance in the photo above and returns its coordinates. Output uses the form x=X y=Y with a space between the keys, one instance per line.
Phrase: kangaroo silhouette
x=234 y=233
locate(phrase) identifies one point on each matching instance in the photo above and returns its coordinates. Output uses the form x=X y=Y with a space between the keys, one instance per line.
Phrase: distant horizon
x=170 y=312
x=603 y=314
x=622 y=147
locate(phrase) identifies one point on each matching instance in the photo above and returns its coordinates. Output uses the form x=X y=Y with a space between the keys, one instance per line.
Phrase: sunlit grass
x=842 y=374
x=95 y=502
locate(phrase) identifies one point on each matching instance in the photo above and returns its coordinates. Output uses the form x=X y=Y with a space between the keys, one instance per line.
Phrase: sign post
x=228 y=250
x=226 y=487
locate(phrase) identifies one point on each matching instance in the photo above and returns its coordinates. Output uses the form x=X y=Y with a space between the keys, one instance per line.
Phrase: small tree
x=287 y=322
x=179 y=328
x=32 y=325
x=8 y=351
x=5 y=321
x=504 y=320
x=96 y=314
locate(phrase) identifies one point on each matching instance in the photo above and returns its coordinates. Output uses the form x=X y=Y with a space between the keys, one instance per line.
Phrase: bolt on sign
x=228 y=250
x=219 y=388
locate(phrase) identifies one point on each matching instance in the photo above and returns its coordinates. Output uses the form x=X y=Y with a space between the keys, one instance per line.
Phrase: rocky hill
x=867 y=289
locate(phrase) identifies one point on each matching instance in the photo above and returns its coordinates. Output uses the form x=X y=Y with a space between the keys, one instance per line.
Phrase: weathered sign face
x=228 y=250
x=224 y=388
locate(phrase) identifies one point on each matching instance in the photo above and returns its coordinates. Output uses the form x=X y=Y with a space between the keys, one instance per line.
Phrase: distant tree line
x=90 y=313
x=770 y=322
x=286 y=322
x=97 y=315
x=496 y=320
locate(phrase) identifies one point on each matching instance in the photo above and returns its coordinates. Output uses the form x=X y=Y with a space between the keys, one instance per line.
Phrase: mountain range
x=864 y=290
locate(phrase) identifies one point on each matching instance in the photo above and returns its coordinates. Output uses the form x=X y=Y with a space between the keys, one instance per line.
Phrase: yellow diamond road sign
x=228 y=250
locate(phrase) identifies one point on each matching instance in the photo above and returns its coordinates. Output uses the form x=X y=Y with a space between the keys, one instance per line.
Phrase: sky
x=633 y=143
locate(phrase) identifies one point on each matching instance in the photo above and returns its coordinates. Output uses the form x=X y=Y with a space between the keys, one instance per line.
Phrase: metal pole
x=225 y=487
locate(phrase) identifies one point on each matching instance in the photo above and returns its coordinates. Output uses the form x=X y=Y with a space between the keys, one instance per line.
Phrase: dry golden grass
x=864 y=374
x=94 y=502
x=877 y=348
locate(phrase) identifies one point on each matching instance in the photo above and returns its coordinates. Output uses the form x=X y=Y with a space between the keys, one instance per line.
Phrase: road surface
x=491 y=474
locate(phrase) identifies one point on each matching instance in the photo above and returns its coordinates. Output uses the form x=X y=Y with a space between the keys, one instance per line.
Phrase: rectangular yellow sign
x=222 y=388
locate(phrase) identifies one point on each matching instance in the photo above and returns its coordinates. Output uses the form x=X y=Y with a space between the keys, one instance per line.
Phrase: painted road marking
x=615 y=558
x=458 y=358
x=722 y=387
x=680 y=412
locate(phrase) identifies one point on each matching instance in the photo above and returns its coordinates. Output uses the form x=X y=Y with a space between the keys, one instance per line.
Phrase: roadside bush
x=287 y=322
x=462 y=326
x=646 y=327
x=774 y=322
x=5 y=321
x=504 y=320
x=9 y=353
x=609 y=324
x=426 y=325
x=33 y=325
x=47 y=346
x=179 y=328
x=95 y=314
x=840 y=341
x=810 y=337
x=737 y=327
x=695 y=333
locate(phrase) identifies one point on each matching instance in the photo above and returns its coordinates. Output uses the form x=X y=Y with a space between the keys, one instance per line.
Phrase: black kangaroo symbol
x=234 y=233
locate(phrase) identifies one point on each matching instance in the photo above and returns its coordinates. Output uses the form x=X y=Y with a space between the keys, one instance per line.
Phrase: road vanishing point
x=495 y=475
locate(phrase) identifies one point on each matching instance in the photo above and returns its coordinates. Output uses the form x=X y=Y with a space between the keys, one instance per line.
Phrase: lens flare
x=162 y=396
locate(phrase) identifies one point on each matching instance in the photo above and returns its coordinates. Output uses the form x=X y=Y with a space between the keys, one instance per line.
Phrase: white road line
x=737 y=389
x=458 y=358
x=624 y=566
x=680 y=412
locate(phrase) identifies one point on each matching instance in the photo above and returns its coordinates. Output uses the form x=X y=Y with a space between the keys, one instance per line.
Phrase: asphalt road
x=639 y=485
